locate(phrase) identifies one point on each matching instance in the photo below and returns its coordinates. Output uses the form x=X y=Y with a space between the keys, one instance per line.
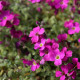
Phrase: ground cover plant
x=39 y=40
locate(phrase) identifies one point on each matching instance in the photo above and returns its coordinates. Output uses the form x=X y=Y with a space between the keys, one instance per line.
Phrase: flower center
x=4 y=18
x=57 y=57
x=73 y=28
x=46 y=52
x=68 y=74
x=37 y=34
x=41 y=45
x=61 y=2
x=34 y=63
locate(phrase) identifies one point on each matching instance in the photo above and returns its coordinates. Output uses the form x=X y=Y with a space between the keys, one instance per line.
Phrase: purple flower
x=78 y=65
x=40 y=45
x=16 y=34
x=4 y=17
x=24 y=38
x=79 y=40
x=2 y=4
x=63 y=4
x=34 y=65
x=34 y=1
x=36 y=33
x=57 y=57
x=62 y=37
x=67 y=53
x=72 y=26
x=62 y=74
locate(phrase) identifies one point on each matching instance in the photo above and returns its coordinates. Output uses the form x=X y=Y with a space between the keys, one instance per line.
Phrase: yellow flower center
x=4 y=18
x=34 y=63
x=73 y=28
x=57 y=57
x=41 y=45
x=61 y=2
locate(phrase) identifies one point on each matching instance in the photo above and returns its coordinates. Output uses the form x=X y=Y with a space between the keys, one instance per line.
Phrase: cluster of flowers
x=59 y=4
x=7 y=18
x=56 y=4
x=10 y=20
x=49 y=51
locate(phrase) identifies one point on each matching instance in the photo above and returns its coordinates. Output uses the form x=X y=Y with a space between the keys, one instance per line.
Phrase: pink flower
x=78 y=65
x=65 y=73
x=68 y=24
x=74 y=60
x=79 y=40
x=33 y=63
x=42 y=61
x=2 y=4
x=62 y=74
x=57 y=57
x=67 y=53
x=40 y=45
x=51 y=44
x=73 y=74
x=39 y=9
x=63 y=4
x=74 y=29
x=72 y=26
x=62 y=37
x=36 y=33
x=4 y=17
x=34 y=1
x=15 y=21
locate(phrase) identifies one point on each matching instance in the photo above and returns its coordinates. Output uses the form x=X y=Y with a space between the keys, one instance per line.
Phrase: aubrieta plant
x=57 y=51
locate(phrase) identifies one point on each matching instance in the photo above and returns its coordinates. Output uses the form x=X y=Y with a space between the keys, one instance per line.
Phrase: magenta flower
x=51 y=44
x=42 y=61
x=63 y=4
x=34 y=1
x=65 y=74
x=73 y=74
x=46 y=54
x=75 y=60
x=34 y=65
x=62 y=37
x=79 y=40
x=76 y=63
x=57 y=57
x=15 y=20
x=40 y=45
x=16 y=34
x=4 y=17
x=72 y=26
x=36 y=33
x=74 y=29
x=68 y=24
x=62 y=74
x=24 y=38
x=2 y=4
x=67 y=53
